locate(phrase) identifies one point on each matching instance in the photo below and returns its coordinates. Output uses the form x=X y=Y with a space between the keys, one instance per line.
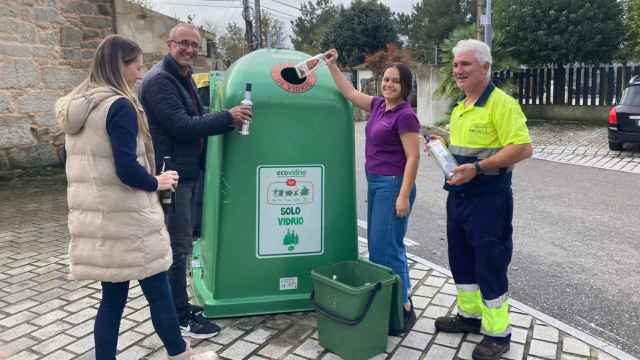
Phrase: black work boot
x=490 y=349
x=457 y=324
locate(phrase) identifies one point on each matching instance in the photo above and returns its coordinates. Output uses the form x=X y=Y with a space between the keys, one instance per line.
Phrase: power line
x=286 y=4
x=280 y=12
x=206 y=5
x=202 y=1
x=292 y=3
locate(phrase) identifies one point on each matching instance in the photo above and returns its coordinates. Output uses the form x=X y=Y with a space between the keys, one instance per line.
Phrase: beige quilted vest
x=117 y=232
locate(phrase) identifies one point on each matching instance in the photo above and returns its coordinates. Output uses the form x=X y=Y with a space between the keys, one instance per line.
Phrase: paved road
x=576 y=232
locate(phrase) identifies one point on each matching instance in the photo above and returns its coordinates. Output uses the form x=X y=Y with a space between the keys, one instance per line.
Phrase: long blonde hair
x=107 y=69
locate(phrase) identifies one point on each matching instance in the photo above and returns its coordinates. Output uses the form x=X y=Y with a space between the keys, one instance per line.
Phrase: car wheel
x=615 y=146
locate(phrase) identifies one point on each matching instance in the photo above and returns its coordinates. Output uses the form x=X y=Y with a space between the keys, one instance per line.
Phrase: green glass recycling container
x=281 y=200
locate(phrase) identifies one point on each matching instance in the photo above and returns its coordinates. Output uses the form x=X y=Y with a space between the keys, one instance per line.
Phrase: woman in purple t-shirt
x=391 y=164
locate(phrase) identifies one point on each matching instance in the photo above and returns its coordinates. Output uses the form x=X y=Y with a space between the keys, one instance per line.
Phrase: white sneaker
x=209 y=355
x=189 y=354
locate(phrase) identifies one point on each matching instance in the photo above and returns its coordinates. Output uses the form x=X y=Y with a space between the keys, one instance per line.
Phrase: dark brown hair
x=406 y=78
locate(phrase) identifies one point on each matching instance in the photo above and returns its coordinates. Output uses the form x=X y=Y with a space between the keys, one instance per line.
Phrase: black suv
x=624 y=118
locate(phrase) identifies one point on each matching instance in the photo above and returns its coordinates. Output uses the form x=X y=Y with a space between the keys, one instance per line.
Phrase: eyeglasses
x=186 y=44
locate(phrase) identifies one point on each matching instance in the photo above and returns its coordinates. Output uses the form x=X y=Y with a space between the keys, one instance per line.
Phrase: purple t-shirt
x=384 y=154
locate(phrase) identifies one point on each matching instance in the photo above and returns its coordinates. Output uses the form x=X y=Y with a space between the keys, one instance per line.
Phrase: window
x=631 y=96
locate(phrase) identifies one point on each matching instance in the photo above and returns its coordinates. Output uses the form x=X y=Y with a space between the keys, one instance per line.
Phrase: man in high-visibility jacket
x=488 y=137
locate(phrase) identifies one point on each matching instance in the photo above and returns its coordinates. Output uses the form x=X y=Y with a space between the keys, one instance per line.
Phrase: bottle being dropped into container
x=306 y=67
x=244 y=129
x=443 y=157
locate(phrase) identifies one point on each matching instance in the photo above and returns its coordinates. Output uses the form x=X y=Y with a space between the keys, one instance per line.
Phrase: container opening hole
x=289 y=75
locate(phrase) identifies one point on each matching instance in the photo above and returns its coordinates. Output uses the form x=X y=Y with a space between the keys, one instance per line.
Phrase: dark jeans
x=180 y=220
x=163 y=316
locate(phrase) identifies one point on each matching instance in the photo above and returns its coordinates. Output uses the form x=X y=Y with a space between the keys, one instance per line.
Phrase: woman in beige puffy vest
x=116 y=222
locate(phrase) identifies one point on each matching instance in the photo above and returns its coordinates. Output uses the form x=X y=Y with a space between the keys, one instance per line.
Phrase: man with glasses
x=179 y=127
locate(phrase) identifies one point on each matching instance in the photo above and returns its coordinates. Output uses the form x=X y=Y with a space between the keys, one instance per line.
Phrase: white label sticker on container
x=288 y=283
x=195 y=263
x=290 y=210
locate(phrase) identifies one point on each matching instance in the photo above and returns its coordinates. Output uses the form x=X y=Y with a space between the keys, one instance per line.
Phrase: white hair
x=479 y=49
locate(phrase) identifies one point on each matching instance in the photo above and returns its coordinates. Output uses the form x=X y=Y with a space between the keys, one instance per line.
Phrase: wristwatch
x=478 y=168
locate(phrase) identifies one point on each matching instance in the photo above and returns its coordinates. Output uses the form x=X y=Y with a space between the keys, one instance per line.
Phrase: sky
x=219 y=12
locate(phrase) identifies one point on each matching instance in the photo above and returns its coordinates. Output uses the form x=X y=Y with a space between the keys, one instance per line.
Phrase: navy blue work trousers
x=479 y=232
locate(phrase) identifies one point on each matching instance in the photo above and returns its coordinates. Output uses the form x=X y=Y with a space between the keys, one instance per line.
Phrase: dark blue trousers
x=479 y=232
x=180 y=220
x=163 y=315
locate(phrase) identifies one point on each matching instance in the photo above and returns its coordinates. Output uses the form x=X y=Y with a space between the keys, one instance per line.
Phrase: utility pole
x=258 y=21
x=248 y=25
x=488 y=28
x=479 y=10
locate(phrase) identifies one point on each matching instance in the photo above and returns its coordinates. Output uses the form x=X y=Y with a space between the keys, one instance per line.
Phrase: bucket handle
x=336 y=317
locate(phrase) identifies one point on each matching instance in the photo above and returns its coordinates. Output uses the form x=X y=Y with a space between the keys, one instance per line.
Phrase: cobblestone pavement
x=585 y=145
x=45 y=316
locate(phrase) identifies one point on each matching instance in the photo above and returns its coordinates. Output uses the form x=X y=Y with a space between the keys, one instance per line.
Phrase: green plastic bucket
x=353 y=300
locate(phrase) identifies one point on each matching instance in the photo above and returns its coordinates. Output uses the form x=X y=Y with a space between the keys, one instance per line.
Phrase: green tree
x=403 y=23
x=309 y=28
x=469 y=9
x=556 y=32
x=364 y=28
x=431 y=22
x=631 y=49
x=232 y=43
x=271 y=31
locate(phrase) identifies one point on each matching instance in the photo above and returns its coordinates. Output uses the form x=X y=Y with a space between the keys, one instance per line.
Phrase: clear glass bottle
x=244 y=129
x=444 y=158
x=306 y=67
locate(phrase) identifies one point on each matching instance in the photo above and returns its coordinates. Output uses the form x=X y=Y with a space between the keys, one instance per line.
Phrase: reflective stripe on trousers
x=480 y=247
x=494 y=314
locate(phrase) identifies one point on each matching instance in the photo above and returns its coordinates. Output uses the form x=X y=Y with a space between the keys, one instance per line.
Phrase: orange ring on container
x=276 y=75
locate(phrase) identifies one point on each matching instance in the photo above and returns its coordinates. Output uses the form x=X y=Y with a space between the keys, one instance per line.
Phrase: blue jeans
x=163 y=315
x=385 y=230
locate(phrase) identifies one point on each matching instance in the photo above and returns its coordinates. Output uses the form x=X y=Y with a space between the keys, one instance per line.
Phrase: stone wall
x=46 y=47
x=151 y=31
